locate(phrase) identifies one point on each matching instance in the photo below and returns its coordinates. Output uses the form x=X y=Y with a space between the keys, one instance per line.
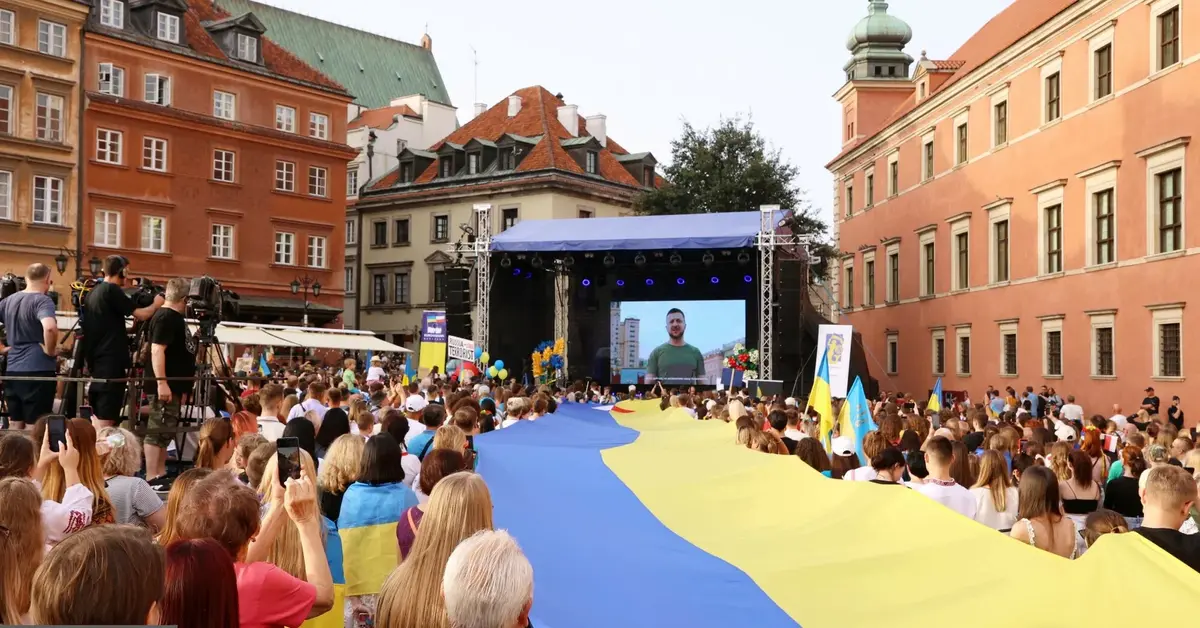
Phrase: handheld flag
x=410 y=369
x=857 y=421
x=819 y=400
x=370 y=354
x=935 y=399
x=262 y=365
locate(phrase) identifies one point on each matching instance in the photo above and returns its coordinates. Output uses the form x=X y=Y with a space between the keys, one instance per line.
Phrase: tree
x=731 y=168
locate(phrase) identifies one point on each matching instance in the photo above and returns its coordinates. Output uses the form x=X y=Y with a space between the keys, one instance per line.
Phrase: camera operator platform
x=32 y=346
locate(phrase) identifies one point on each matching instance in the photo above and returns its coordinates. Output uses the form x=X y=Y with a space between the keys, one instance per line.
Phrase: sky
x=649 y=65
x=710 y=324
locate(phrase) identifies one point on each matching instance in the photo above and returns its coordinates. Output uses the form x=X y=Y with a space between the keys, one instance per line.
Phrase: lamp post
x=306 y=283
x=60 y=261
x=94 y=266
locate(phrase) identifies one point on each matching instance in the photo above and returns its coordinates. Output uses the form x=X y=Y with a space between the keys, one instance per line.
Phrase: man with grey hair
x=32 y=336
x=488 y=583
x=172 y=355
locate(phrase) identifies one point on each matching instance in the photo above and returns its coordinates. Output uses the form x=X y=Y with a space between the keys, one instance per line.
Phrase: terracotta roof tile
x=381 y=118
x=948 y=64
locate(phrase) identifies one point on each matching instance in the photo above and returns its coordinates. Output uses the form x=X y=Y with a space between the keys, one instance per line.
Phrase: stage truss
x=481 y=250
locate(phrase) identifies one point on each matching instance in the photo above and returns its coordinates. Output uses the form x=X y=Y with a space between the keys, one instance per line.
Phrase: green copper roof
x=373 y=68
x=878 y=28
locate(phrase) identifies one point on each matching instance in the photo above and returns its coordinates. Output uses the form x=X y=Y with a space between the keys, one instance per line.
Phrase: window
x=112 y=13
x=285 y=119
x=285 y=176
x=648 y=177
x=1104 y=351
x=927 y=174
x=154 y=154
x=351 y=232
x=6 y=109
x=1053 y=97
x=893 y=178
x=107 y=229
x=224 y=105
x=1054 y=239
x=285 y=248
x=350 y=287
x=52 y=38
x=472 y=163
x=49 y=117
x=869 y=283
x=963 y=335
x=402 y=231
x=1168 y=37
x=447 y=166
x=8 y=21
x=222 y=242
x=591 y=163
x=1170 y=210
x=939 y=352
x=870 y=199
x=47 y=200
x=893 y=283
x=317 y=256
x=508 y=218
x=379 y=233
x=111 y=80
x=168 y=27
x=441 y=228
x=158 y=89
x=960 y=157
x=5 y=195
x=439 y=286
x=1170 y=363
x=586 y=213
x=1000 y=118
x=1009 y=358
x=962 y=251
x=848 y=292
x=223 y=164
x=1105 y=246
x=508 y=158
x=317 y=181
x=318 y=126
x=930 y=253
x=378 y=289
x=403 y=288
x=352 y=181
x=893 y=354
x=1054 y=353
x=108 y=146
x=406 y=172
x=247 y=48
x=1102 y=60
x=154 y=231
x=1000 y=236
x=849 y=199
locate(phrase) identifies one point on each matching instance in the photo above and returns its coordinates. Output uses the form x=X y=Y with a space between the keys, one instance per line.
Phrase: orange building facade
x=210 y=150
x=1017 y=214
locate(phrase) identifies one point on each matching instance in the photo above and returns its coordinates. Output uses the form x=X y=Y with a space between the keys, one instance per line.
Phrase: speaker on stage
x=456 y=291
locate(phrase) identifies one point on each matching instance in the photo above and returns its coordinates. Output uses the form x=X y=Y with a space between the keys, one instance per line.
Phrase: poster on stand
x=460 y=349
x=433 y=341
x=838 y=340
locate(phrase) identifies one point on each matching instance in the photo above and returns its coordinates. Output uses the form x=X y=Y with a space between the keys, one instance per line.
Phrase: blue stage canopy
x=634 y=233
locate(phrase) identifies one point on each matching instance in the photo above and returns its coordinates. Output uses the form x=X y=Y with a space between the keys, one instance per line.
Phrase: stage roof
x=634 y=233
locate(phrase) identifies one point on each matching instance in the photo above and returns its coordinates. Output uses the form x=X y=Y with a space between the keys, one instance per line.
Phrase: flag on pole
x=935 y=398
x=262 y=365
x=819 y=400
x=856 y=418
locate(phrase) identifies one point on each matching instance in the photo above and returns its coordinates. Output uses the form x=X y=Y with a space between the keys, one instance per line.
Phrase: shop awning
x=239 y=335
x=332 y=339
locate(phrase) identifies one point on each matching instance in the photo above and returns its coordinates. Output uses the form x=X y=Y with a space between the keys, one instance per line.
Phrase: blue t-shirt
x=997 y=405
x=22 y=314
x=416 y=446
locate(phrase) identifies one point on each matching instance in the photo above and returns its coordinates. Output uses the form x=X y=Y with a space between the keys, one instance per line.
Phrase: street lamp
x=60 y=261
x=306 y=283
x=94 y=265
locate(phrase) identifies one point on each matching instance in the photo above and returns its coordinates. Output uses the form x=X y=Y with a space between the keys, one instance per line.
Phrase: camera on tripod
x=208 y=301
x=79 y=291
x=11 y=284
x=145 y=292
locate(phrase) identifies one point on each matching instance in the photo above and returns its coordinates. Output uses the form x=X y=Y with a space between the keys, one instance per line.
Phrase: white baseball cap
x=790 y=402
x=415 y=403
x=842 y=446
x=632 y=388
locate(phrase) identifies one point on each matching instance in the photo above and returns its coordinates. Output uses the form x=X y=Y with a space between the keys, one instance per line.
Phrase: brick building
x=210 y=149
x=1015 y=214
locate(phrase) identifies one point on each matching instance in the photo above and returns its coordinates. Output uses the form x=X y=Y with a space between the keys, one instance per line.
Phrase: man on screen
x=675 y=359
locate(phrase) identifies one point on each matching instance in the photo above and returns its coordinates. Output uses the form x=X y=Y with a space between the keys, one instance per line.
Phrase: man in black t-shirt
x=106 y=345
x=1150 y=402
x=1167 y=500
x=1175 y=413
x=172 y=355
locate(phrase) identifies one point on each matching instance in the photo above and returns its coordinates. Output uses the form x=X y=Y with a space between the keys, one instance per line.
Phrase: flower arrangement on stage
x=744 y=360
x=547 y=360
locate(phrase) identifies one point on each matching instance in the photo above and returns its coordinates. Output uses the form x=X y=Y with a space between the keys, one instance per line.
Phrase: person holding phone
x=74 y=511
x=32 y=329
x=172 y=356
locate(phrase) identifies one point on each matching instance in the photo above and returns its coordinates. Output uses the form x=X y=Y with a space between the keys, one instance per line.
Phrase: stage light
x=679 y=281
x=505 y=262
x=586 y=282
x=609 y=260
x=676 y=259
x=708 y=258
x=649 y=282
x=715 y=280
x=747 y=279
x=529 y=275
x=639 y=260
x=536 y=262
x=620 y=283
x=743 y=258
x=568 y=261
x=516 y=272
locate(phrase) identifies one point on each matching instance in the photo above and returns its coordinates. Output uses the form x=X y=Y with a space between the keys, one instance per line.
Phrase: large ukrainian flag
x=367 y=528
x=645 y=518
x=335 y=617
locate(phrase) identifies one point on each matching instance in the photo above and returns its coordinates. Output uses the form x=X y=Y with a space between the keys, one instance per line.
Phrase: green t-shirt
x=668 y=361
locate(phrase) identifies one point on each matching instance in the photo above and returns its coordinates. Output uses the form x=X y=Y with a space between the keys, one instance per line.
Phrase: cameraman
x=106 y=343
x=172 y=355
x=32 y=328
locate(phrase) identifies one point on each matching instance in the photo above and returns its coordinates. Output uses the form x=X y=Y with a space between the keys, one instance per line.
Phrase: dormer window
x=648 y=177
x=508 y=158
x=473 y=163
x=447 y=166
x=168 y=27
x=406 y=172
x=112 y=13
x=593 y=159
x=247 y=48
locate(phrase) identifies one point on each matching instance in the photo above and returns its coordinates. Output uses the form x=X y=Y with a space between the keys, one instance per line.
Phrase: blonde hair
x=215 y=435
x=124 y=455
x=450 y=437
x=179 y=489
x=737 y=410
x=360 y=415
x=21 y=546
x=1060 y=461
x=54 y=486
x=285 y=552
x=994 y=475
x=411 y=597
x=341 y=463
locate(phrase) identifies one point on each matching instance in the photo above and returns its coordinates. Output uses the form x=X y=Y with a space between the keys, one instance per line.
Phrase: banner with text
x=460 y=349
x=433 y=341
x=838 y=340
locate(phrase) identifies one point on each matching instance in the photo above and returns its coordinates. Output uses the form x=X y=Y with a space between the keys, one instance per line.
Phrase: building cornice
x=1049 y=185
x=1095 y=170
x=959 y=217
x=997 y=204
x=513 y=184
x=1163 y=147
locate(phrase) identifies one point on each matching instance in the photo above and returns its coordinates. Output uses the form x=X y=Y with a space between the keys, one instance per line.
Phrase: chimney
x=479 y=109
x=568 y=116
x=426 y=42
x=597 y=127
x=514 y=105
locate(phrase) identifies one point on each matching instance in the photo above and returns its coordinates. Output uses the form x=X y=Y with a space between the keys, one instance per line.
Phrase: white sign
x=837 y=340
x=460 y=348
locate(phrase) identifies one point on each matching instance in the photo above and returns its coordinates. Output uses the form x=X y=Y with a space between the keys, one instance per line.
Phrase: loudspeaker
x=456 y=290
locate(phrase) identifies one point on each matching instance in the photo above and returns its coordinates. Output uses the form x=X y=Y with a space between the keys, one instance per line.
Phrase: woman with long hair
x=179 y=489
x=873 y=444
x=1059 y=461
x=1102 y=522
x=289 y=402
x=996 y=499
x=1080 y=492
x=201 y=586
x=1121 y=494
x=412 y=595
x=339 y=470
x=22 y=544
x=135 y=502
x=285 y=552
x=813 y=454
x=304 y=431
x=1093 y=447
x=335 y=424
x=243 y=422
x=91 y=474
x=960 y=465
x=1042 y=522
x=216 y=444
x=439 y=464
x=18 y=459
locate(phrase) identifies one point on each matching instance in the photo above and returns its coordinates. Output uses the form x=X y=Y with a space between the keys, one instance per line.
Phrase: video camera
x=145 y=292
x=11 y=284
x=208 y=301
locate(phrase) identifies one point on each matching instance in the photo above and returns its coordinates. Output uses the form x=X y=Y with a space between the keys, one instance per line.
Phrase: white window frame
x=318 y=251
x=106 y=229
x=936 y=334
x=221 y=158
x=6 y=194
x=847 y=295
x=892 y=352
x=958 y=226
x=285 y=175
x=112 y=13
x=285 y=248
x=108 y=146
x=926 y=237
x=1010 y=327
x=1048 y=69
x=318 y=125
x=1160 y=159
x=224 y=105
x=999 y=212
x=52 y=38
x=869 y=187
x=167 y=27
x=53 y=200
x=1053 y=323
x=352 y=180
x=868 y=258
x=997 y=97
x=318 y=181
x=149 y=224
x=892 y=249
x=1164 y=314
x=154 y=154
x=1095 y=180
x=962 y=332
x=1048 y=195
x=156 y=89
x=848 y=196
x=221 y=241
x=48 y=132
x=1106 y=36
x=928 y=171
x=349 y=279
x=1102 y=319
x=960 y=121
x=893 y=158
x=285 y=118
x=351 y=232
x=8 y=27
x=111 y=80
x=1157 y=8
x=247 y=48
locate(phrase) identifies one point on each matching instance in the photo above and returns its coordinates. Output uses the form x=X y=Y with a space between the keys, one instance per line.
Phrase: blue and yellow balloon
x=503 y=374
x=484 y=358
x=492 y=372
x=500 y=364
x=478 y=352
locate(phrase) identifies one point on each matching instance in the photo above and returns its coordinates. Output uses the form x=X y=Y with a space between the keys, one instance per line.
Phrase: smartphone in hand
x=85 y=412
x=287 y=453
x=57 y=428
